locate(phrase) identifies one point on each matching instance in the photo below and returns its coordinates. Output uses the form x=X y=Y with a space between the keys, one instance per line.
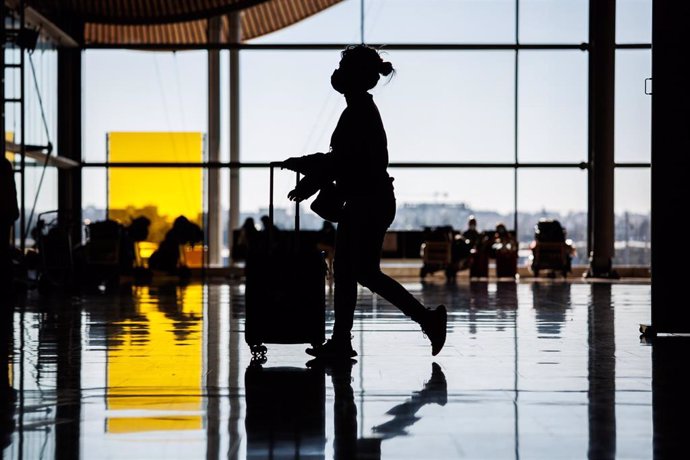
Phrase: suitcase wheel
x=258 y=360
x=258 y=351
x=258 y=354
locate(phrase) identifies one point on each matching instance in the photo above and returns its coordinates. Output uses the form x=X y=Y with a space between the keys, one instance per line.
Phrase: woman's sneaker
x=332 y=350
x=434 y=327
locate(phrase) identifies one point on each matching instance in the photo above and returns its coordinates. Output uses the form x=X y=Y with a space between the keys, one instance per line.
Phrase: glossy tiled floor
x=530 y=370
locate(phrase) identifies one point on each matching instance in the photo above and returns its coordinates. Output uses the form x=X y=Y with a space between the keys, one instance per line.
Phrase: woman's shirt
x=359 y=148
x=358 y=159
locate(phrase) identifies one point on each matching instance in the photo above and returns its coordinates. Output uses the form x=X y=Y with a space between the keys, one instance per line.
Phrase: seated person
x=167 y=257
x=504 y=241
x=504 y=250
x=471 y=234
x=246 y=238
x=270 y=231
x=136 y=231
x=465 y=242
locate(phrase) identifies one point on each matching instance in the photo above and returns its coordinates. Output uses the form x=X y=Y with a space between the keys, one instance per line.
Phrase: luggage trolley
x=444 y=249
x=550 y=249
x=436 y=251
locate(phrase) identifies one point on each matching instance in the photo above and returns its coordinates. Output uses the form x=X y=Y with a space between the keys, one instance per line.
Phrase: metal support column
x=69 y=137
x=235 y=36
x=602 y=39
x=215 y=228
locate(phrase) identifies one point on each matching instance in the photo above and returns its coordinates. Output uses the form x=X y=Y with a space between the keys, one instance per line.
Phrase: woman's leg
x=358 y=259
x=345 y=297
x=367 y=240
x=368 y=228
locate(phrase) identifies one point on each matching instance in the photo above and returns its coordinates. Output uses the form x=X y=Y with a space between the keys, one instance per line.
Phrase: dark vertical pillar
x=69 y=135
x=601 y=374
x=602 y=40
x=670 y=402
x=670 y=160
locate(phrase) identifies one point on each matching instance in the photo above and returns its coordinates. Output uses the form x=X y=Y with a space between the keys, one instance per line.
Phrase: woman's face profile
x=338 y=79
x=346 y=76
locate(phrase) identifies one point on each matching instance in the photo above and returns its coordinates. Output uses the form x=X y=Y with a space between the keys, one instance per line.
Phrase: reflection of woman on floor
x=357 y=162
x=404 y=414
x=346 y=444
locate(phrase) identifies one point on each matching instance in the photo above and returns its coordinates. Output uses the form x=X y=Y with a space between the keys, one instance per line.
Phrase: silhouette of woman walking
x=357 y=162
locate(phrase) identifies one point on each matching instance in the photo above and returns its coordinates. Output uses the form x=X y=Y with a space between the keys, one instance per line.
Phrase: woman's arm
x=320 y=164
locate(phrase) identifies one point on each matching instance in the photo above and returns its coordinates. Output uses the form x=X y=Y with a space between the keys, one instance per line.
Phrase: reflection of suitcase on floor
x=285 y=413
x=285 y=290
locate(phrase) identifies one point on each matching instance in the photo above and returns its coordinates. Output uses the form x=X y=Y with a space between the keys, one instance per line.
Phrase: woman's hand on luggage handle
x=297 y=195
x=292 y=163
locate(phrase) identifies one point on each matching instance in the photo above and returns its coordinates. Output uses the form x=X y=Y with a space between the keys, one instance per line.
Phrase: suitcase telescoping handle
x=272 y=166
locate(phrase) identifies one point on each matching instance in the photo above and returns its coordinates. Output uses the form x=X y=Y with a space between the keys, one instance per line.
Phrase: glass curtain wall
x=487 y=113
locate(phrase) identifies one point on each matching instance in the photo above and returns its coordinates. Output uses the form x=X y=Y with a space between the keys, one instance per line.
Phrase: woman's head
x=360 y=69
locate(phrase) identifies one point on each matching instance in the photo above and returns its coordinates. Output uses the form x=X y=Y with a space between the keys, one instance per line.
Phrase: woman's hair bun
x=385 y=68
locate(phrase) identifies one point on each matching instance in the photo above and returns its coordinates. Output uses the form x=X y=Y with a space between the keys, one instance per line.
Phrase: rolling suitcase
x=285 y=288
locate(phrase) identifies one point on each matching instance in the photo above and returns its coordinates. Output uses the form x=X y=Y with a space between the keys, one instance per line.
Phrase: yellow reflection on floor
x=155 y=366
x=143 y=424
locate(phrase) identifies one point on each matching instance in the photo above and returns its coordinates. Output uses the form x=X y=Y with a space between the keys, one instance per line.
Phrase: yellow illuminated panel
x=155 y=365
x=161 y=194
